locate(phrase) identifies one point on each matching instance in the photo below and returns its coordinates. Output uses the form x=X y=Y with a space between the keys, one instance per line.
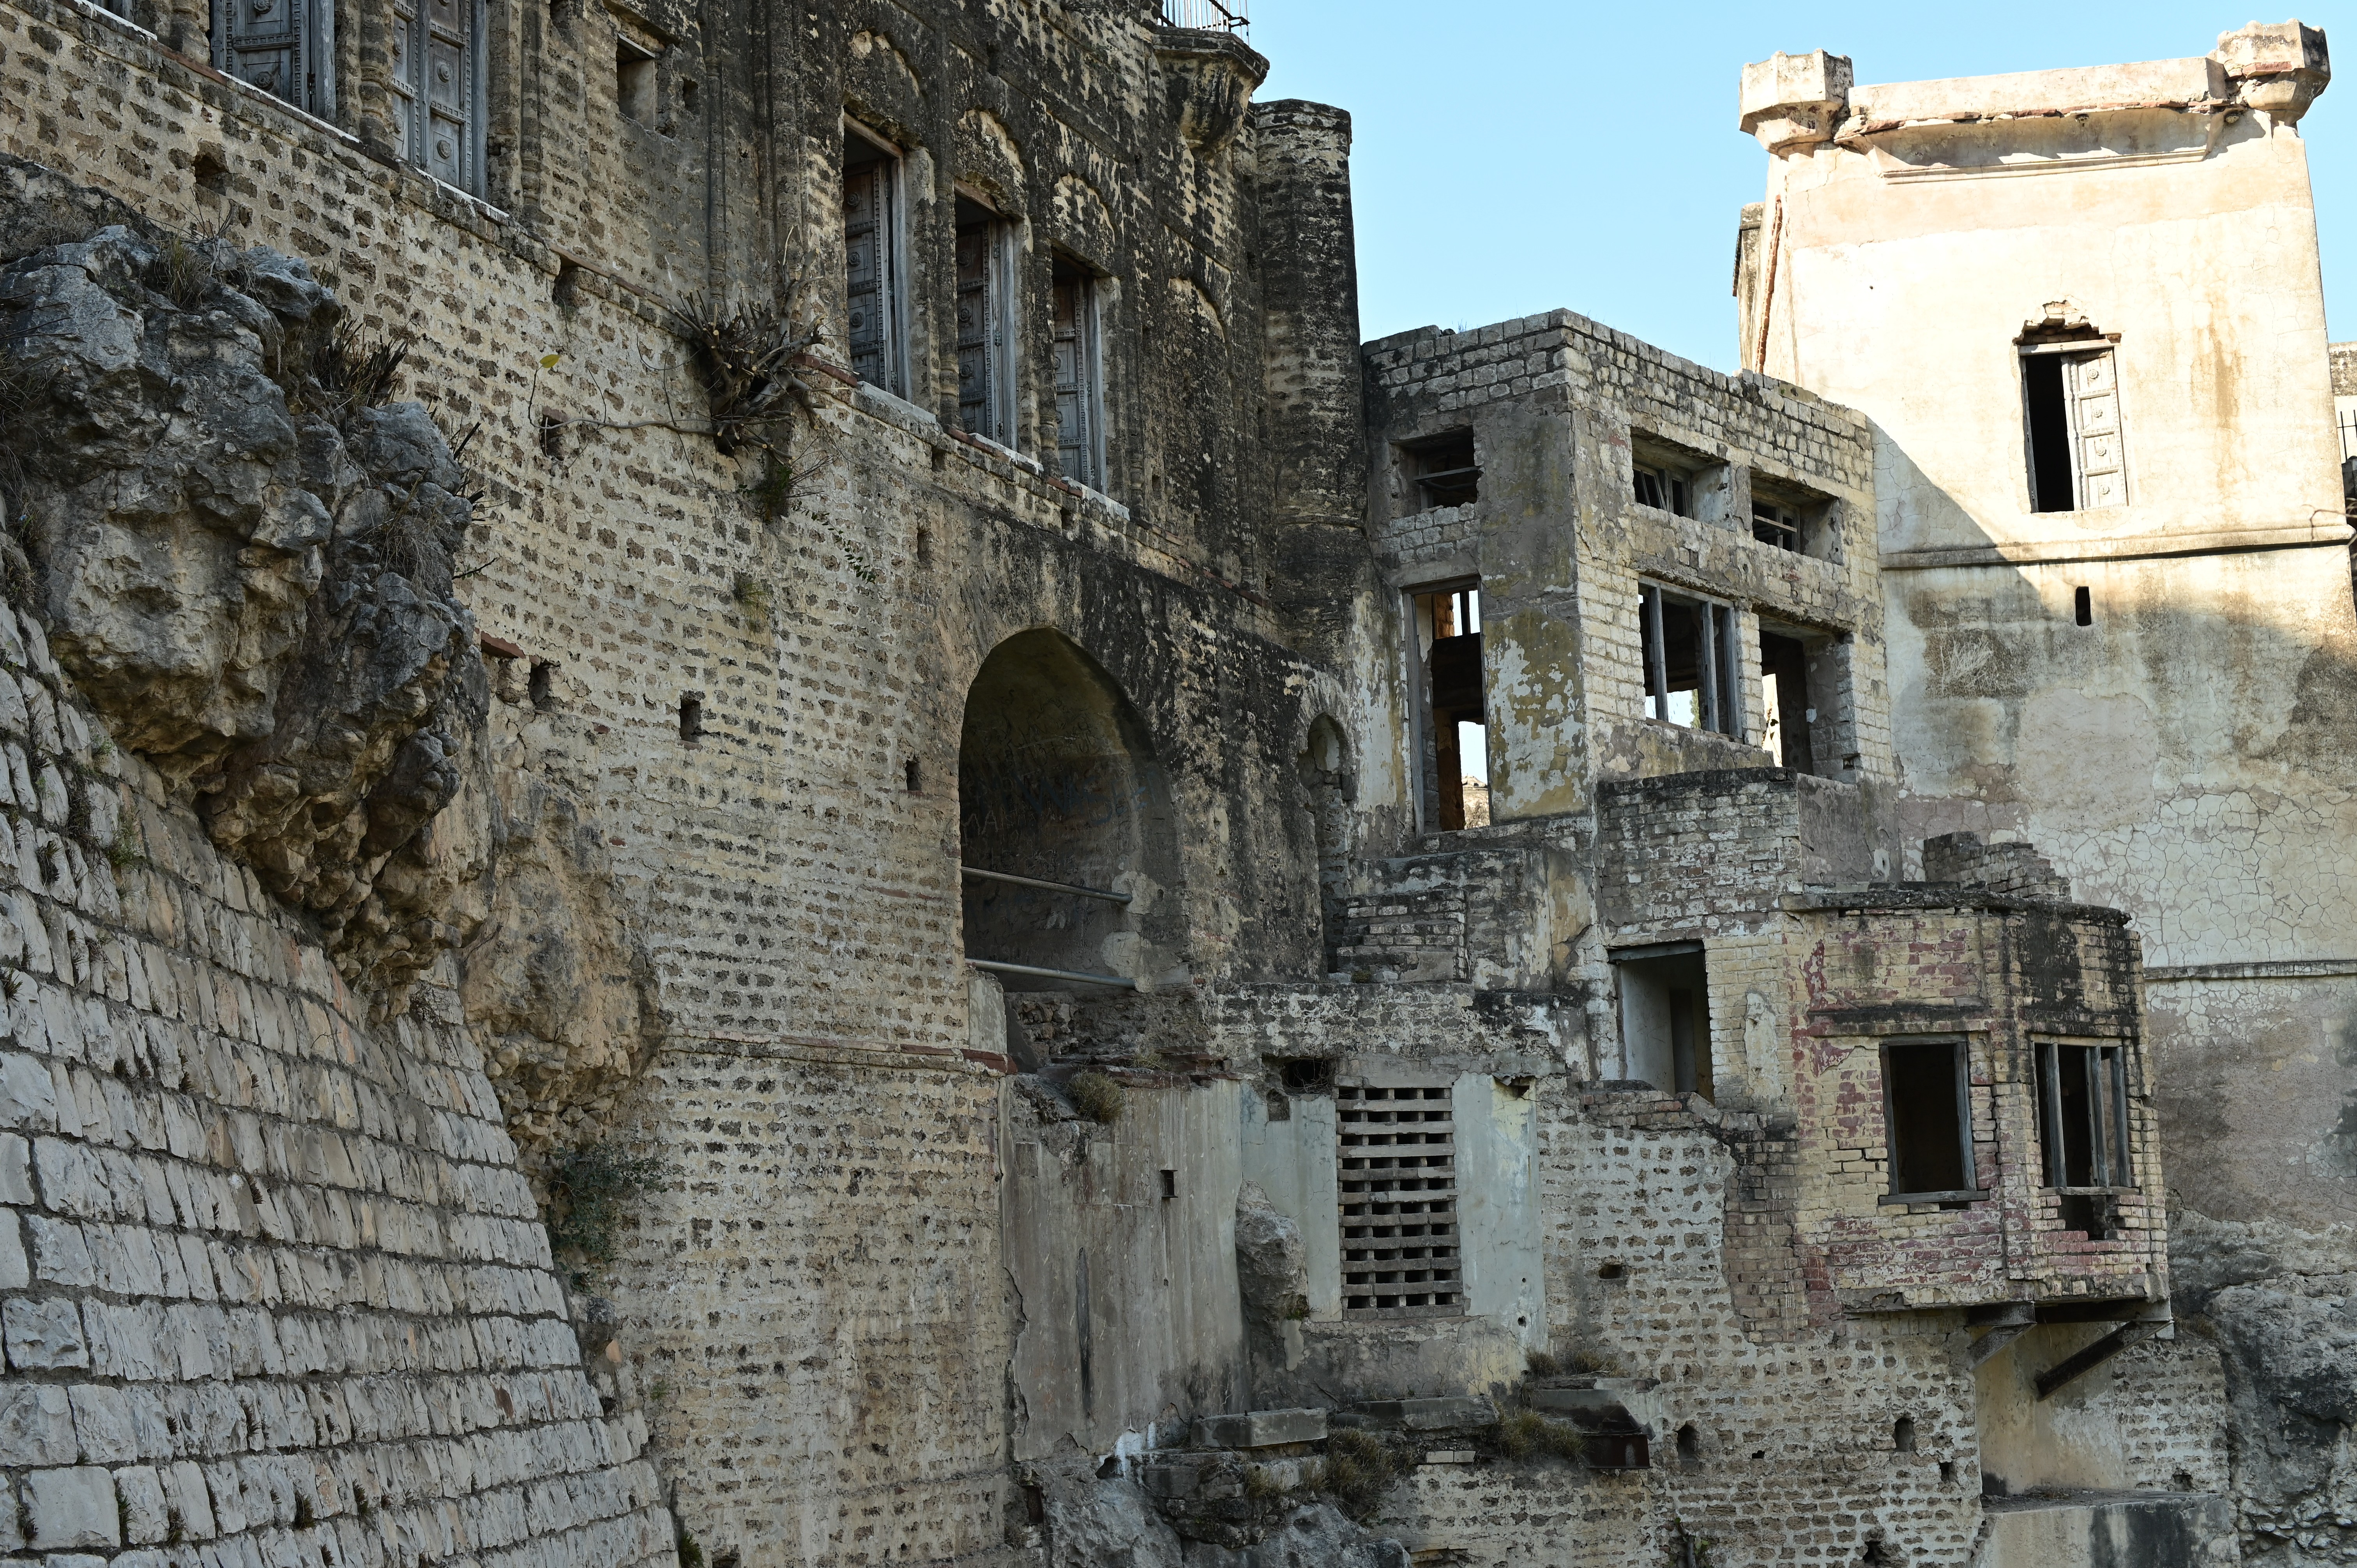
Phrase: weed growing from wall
x=590 y=1192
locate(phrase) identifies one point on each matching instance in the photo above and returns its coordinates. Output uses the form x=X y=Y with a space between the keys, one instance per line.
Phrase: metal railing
x=1210 y=16
x=997 y=966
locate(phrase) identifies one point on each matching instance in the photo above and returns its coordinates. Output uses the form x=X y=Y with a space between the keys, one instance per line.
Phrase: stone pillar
x=1317 y=444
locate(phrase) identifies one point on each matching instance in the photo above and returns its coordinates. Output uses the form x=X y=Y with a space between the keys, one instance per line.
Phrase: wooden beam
x=2072 y=1368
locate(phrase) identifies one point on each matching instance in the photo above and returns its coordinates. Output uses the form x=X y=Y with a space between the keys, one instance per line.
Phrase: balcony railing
x=1210 y=15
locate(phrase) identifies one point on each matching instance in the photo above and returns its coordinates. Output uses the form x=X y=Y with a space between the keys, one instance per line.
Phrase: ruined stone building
x=765 y=810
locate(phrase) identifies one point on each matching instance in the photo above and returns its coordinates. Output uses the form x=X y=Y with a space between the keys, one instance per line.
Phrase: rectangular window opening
x=873 y=291
x=1665 y=1019
x=1398 y=1200
x=2082 y=606
x=1441 y=470
x=1454 y=745
x=1927 y=1122
x=1693 y=676
x=691 y=717
x=437 y=92
x=1076 y=331
x=2071 y=417
x=1788 y=722
x=1776 y=525
x=986 y=338
x=634 y=82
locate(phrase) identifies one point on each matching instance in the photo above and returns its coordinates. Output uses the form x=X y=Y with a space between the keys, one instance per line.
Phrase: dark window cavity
x=2082 y=606
x=1076 y=331
x=2071 y=417
x=1440 y=470
x=1452 y=747
x=437 y=88
x=1693 y=676
x=1788 y=717
x=1666 y=1018
x=1786 y=516
x=1927 y=1122
x=985 y=339
x=691 y=717
x=873 y=291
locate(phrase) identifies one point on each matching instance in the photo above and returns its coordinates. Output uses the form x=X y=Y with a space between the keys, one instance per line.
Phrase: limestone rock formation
x=245 y=566
x=557 y=990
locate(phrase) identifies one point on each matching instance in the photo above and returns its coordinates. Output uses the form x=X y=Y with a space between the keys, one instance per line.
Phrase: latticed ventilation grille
x=1399 y=1200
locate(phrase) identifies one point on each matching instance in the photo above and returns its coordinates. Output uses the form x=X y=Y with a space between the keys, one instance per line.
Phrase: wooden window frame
x=1718 y=696
x=1090 y=391
x=312 y=38
x=414 y=34
x=2110 y=1131
x=891 y=260
x=1000 y=326
x=1961 y=1050
x=2096 y=434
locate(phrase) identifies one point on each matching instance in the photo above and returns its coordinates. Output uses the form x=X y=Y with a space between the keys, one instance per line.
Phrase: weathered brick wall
x=272 y=1285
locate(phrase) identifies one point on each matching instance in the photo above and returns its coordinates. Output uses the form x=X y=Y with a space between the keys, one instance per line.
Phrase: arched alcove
x=1058 y=781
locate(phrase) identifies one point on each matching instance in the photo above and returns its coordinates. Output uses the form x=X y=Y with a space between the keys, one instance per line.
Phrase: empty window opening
x=2082 y=1133
x=691 y=717
x=438 y=102
x=2082 y=606
x=566 y=290
x=209 y=172
x=2071 y=416
x=1441 y=470
x=1454 y=748
x=1689 y=1444
x=1692 y=675
x=1927 y=1123
x=986 y=341
x=1666 y=1018
x=1169 y=1184
x=1076 y=330
x=1612 y=1271
x=1788 y=717
x=687 y=97
x=1902 y=1434
x=873 y=292
x=541 y=685
x=634 y=82
x=915 y=777
x=1398 y=1199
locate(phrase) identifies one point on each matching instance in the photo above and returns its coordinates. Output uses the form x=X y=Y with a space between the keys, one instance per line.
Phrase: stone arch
x=1325 y=764
x=1057 y=781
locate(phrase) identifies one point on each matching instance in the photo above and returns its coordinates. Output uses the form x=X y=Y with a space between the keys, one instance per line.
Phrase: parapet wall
x=272 y=1285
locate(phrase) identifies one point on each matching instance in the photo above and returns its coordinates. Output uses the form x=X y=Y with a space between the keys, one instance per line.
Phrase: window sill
x=2088 y=1191
x=1901 y=1200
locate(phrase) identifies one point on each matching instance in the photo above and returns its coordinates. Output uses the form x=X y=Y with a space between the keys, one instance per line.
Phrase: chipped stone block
x=72 y=1508
x=1261 y=1429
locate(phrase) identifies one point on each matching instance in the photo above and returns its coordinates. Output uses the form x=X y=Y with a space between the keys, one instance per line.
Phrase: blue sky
x=1515 y=156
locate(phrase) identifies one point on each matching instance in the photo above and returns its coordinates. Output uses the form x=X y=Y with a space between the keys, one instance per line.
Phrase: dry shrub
x=1096 y=1096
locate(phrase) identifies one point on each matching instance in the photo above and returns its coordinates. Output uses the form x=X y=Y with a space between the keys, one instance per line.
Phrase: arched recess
x=1057 y=781
x=1325 y=764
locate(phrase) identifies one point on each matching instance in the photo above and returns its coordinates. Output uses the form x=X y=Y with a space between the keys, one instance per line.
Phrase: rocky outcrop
x=557 y=991
x=2281 y=1306
x=244 y=560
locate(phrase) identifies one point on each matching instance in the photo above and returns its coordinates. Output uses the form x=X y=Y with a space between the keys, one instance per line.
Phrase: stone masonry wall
x=271 y=1282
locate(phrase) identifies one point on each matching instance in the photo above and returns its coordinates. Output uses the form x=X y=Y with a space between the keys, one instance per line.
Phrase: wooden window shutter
x=868 y=272
x=438 y=89
x=2100 y=473
x=1076 y=392
x=273 y=45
